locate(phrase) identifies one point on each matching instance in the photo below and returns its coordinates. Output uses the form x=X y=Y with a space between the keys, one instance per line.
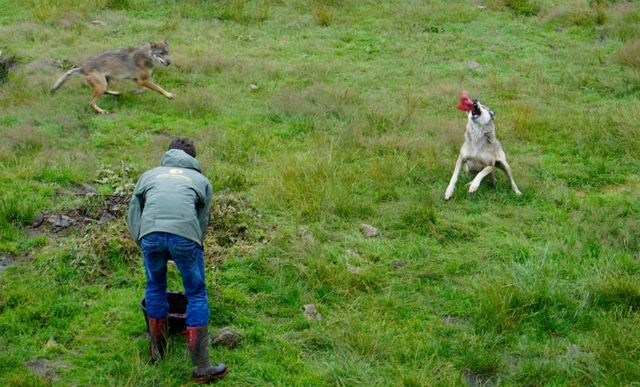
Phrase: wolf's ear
x=153 y=44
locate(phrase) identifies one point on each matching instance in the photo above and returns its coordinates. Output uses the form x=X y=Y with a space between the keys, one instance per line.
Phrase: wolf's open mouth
x=476 y=110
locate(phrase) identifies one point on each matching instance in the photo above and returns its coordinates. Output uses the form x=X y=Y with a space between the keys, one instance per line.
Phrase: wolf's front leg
x=454 y=179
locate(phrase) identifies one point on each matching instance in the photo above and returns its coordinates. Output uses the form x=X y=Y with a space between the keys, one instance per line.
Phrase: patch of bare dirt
x=96 y=209
x=45 y=368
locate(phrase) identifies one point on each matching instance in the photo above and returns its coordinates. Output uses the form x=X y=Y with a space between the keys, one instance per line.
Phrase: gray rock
x=477 y=380
x=5 y=262
x=311 y=312
x=473 y=65
x=60 y=221
x=398 y=264
x=306 y=234
x=354 y=269
x=369 y=231
x=86 y=189
x=226 y=337
x=98 y=22
x=450 y=320
x=105 y=217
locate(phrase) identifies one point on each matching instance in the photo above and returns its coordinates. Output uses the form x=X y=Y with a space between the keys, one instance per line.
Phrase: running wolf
x=124 y=63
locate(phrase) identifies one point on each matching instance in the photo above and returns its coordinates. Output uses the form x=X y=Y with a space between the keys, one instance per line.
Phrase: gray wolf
x=481 y=151
x=168 y=217
x=124 y=63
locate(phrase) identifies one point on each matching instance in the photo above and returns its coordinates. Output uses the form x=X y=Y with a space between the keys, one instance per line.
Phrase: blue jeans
x=157 y=249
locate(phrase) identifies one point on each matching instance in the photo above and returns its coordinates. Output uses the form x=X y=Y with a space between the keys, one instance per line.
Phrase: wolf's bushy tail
x=64 y=78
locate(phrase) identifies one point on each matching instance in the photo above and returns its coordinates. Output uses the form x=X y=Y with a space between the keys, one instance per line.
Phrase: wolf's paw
x=448 y=194
x=170 y=95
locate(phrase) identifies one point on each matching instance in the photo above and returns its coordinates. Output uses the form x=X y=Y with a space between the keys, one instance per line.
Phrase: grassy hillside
x=351 y=120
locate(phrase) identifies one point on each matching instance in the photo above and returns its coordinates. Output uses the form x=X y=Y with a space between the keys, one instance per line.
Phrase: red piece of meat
x=465 y=103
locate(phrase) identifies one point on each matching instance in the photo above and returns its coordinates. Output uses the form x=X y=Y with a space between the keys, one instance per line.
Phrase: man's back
x=173 y=198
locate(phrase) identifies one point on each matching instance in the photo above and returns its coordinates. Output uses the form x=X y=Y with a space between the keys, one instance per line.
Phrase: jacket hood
x=179 y=158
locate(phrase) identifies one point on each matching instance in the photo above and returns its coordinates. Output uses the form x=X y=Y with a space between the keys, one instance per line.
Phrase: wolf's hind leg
x=478 y=179
x=502 y=164
x=99 y=84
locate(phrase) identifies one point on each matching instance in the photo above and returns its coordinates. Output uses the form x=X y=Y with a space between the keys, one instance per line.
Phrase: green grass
x=353 y=121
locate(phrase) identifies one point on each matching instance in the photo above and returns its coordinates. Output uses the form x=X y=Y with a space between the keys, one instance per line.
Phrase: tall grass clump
x=45 y=10
x=7 y=62
x=624 y=21
x=16 y=211
x=117 y=4
x=523 y=7
x=235 y=10
x=618 y=290
x=629 y=55
x=577 y=14
x=262 y=10
x=322 y=14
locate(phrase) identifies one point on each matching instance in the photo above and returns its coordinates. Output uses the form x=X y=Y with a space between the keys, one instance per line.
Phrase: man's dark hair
x=183 y=144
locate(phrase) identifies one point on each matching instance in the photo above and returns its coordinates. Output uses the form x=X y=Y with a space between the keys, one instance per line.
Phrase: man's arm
x=204 y=210
x=136 y=205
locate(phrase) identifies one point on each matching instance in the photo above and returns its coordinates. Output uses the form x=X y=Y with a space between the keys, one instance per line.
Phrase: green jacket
x=173 y=198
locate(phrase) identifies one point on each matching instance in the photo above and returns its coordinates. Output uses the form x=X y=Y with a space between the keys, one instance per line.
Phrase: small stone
x=253 y=87
x=105 y=217
x=369 y=231
x=226 y=337
x=398 y=264
x=473 y=65
x=477 y=380
x=306 y=234
x=86 y=189
x=353 y=269
x=60 y=221
x=51 y=345
x=450 y=320
x=5 y=262
x=311 y=312
x=37 y=222
x=98 y=22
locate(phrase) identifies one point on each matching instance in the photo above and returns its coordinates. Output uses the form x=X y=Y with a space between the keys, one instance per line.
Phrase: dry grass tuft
x=7 y=63
x=323 y=14
x=576 y=13
x=203 y=62
x=629 y=55
x=624 y=21
x=519 y=7
x=315 y=101
x=22 y=140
